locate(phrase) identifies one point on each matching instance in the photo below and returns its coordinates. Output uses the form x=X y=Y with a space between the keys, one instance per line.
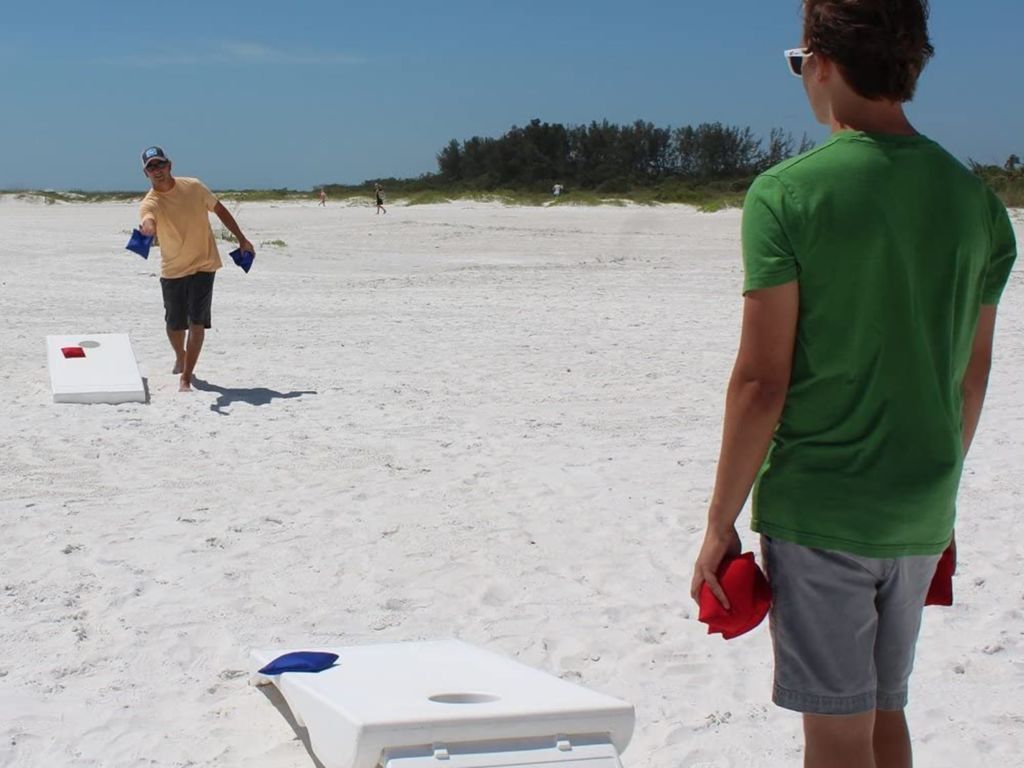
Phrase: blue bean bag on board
x=300 y=661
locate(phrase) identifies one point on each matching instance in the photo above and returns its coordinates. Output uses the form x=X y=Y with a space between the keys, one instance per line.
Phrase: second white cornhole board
x=446 y=704
x=107 y=373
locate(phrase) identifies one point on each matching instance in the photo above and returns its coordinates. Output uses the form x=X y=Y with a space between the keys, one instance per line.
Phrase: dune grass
x=707 y=196
x=51 y=197
x=704 y=199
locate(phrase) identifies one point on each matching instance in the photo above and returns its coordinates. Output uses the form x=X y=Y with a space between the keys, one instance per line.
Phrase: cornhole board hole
x=446 y=704
x=94 y=368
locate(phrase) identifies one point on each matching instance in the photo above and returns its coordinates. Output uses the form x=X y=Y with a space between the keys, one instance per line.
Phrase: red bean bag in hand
x=749 y=597
x=940 y=592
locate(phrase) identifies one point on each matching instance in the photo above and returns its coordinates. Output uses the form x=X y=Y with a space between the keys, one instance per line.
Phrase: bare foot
x=179 y=366
x=185 y=383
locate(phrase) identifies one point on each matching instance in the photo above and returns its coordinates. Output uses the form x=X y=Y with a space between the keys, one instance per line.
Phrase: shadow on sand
x=275 y=698
x=254 y=396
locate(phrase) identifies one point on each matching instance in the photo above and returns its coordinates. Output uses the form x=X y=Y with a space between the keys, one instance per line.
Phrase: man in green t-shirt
x=873 y=266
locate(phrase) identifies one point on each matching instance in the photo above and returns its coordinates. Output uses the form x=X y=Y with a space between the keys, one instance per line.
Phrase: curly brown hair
x=880 y=46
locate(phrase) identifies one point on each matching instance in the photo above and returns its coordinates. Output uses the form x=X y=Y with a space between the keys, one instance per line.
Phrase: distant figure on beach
x=177 y=210
x=378 y=194
x=557 y=190
x=323 y=197
x=873 y=266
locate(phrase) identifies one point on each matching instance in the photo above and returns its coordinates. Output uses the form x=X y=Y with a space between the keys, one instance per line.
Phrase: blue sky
x=274 y=94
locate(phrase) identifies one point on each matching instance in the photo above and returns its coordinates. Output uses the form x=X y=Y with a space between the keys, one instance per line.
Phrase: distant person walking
x=557 y=190
x=177 y=210
x=323 y=197
x=378 y=194
x=873 y=266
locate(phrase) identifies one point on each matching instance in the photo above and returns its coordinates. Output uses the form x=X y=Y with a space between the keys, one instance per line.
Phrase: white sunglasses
x=795 y=58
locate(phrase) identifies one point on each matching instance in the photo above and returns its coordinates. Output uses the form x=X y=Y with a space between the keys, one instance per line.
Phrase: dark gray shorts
x=187 y=300
x=843 y=627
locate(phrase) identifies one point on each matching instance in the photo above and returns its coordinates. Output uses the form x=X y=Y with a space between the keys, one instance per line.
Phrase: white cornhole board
x=446 y=704
x=107 y=374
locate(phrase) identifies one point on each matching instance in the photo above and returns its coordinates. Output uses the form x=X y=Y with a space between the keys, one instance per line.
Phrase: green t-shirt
x=895 y=246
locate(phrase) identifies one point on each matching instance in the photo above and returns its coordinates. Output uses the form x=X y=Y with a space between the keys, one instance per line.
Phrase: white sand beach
x=464 y=420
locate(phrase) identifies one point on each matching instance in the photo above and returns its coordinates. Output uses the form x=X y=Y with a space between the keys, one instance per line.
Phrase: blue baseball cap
x=153 y=153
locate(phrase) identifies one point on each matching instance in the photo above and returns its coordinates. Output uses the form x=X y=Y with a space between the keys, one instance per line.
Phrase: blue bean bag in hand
x=140 y=243
x=243 y=259
x=300 y=661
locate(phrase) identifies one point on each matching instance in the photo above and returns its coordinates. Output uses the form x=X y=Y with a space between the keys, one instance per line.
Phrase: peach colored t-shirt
x=183 y=228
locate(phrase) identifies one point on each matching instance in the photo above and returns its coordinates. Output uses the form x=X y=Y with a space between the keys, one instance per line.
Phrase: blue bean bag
x=140 y=243
x=243 y=259
x=300 y=661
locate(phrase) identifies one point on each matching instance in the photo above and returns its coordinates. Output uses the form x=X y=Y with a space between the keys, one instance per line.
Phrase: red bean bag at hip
x=749 y=596
x=940 y=591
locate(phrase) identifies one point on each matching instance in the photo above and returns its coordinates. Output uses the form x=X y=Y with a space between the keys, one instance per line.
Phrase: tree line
x=710 y=164
x=606 y=157
x=1006 y=180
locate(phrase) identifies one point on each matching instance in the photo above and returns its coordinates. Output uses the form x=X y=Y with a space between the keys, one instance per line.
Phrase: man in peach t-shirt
x=177 y=209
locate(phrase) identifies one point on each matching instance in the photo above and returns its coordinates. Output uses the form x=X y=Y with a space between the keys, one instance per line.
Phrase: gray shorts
x=843 y=627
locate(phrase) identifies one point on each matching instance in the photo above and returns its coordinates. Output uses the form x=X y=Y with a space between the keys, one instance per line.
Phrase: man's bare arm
x=976 y=377
x=753 y=405
x=232 y=226
x=976 y=384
